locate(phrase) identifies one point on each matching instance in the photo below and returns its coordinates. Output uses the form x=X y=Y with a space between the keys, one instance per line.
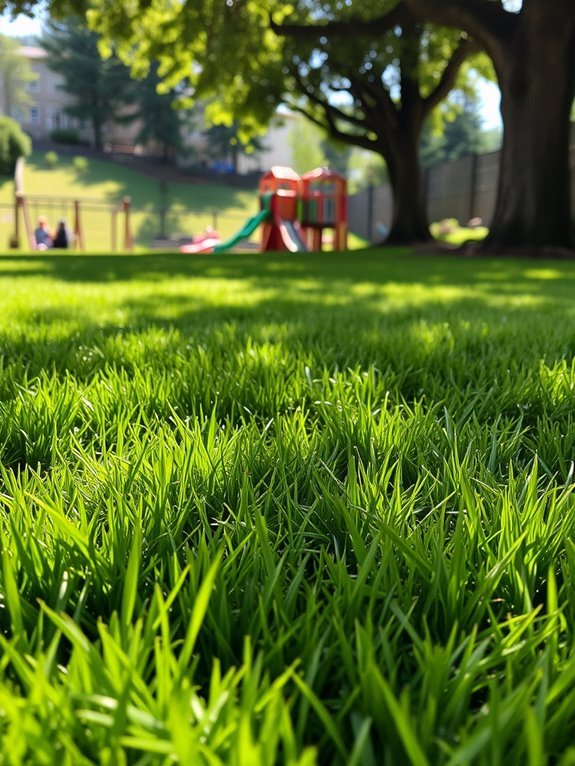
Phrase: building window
x=34 y=115
x=33 y=85
x=58 y=120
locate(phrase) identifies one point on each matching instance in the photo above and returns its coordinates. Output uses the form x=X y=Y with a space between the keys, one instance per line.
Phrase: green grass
x=278 y=509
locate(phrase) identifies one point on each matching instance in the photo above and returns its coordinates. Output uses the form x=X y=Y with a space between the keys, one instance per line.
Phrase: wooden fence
x=99 y=213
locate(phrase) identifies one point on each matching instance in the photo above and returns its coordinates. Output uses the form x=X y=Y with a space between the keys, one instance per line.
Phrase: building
x=48 y=101
x=277 y=146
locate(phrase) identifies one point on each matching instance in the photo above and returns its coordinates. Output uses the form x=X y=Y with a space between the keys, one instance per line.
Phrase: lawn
x=276 y=509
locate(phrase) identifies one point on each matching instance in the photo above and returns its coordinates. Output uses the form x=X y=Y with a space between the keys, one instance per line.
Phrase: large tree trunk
x=534 y=56
x=536 y=74
x=409 y=224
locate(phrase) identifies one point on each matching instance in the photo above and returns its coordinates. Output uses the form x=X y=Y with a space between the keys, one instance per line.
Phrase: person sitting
x=61 y=238
x=42 y=238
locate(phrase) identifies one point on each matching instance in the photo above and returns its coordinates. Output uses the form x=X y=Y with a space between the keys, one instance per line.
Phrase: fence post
x=128 y=242
x=15 y=241
x=370 y=211
x=472 y=185
x=18 y=193
x=27 y=222
x=78 y=233
x=114 y=232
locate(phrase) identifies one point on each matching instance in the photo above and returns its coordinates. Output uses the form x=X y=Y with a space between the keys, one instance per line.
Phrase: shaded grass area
x=287 y=509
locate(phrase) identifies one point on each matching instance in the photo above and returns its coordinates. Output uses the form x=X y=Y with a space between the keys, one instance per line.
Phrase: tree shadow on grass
x=433 y=336
x=310 y=302
x=327 y=271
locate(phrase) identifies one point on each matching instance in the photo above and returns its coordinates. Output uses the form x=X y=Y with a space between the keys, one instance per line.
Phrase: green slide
x=248 y=229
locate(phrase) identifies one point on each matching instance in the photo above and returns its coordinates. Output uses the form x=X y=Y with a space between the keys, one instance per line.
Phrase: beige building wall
x=47 y=100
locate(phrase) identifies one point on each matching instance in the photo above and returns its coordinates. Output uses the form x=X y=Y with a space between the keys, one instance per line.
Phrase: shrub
x=65 y=136
x=51 y=159
x=448 y=225
x=80 y=164
x=14 y=143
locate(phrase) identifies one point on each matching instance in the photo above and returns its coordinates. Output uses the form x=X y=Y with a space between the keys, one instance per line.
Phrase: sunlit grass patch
x=452 y=232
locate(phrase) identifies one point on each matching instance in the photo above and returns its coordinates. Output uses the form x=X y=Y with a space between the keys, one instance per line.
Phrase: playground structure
x=27 y=208
x=294 y=213
x=324 y=207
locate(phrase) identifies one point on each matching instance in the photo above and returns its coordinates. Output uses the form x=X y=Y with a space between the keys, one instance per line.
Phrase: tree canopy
x=376 y=93
x=223 y=143
x=158 y=121
x=99 y=88
x=103 y=91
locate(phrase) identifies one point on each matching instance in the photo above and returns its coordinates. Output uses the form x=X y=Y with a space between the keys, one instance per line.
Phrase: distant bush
x=447 y=225
x=14 y=143
x=51 y=159
x=65 y=136
x=80 y=164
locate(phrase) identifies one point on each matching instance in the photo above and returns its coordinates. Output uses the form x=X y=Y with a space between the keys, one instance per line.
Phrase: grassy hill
x=192 y=205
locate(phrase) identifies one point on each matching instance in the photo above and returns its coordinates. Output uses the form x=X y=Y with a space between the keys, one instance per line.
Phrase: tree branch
x=449 y=76
x=398 y=16
x=361 y=141
x=485 y=20
x=332 y=115
x=384 y=110
x=332 y=112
